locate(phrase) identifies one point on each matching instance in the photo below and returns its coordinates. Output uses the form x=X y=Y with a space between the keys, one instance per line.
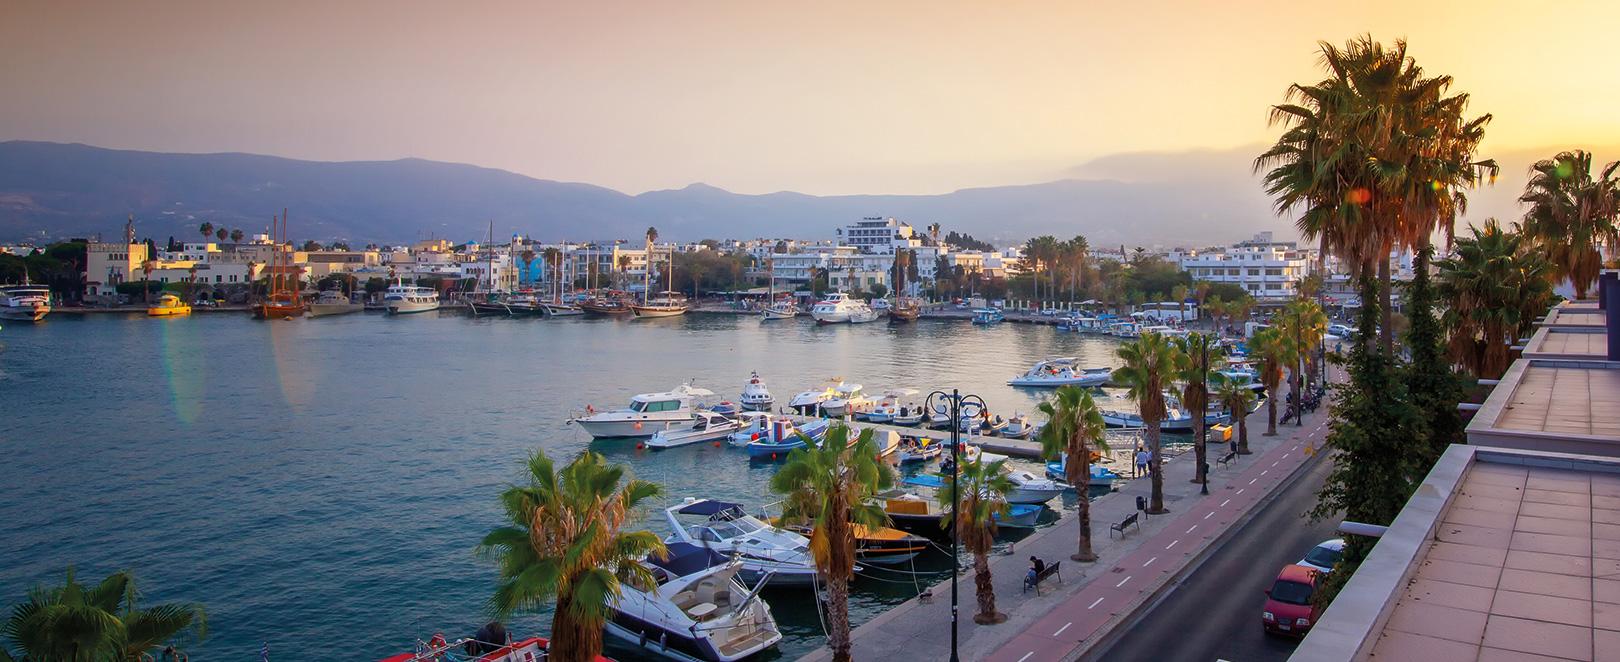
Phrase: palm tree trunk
x=1299 y=402
x=1271 y=415
x=985 y=590
x=1156 y=478
x=572 y=640
x=838 y=614
x=1083 y=486
x=1243 y=433
x=1200 y=440
x=1386 y=335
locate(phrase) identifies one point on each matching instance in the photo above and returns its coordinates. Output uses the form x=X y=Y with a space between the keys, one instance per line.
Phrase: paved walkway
x=1069 y=617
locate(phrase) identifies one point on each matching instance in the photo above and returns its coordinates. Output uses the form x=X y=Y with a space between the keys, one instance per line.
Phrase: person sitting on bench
x=1036 y=567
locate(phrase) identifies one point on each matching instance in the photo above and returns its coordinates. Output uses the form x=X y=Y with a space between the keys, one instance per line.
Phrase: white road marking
x=1265 y=472
x=1275 y=463
x=1061 y=629
x=1150 y=561
x=1172 y=544
x=1026 y=656
x=1251 y=480
x=1190 y=528
x=1223 y=503
x=1122 y=581
x=1094 y=604
x=1209 y=514
x=1285 y=456
x=1240 y=490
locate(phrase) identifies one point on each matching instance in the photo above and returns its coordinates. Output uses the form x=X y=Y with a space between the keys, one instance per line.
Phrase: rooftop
x=1555 y=405
x=1568 y=342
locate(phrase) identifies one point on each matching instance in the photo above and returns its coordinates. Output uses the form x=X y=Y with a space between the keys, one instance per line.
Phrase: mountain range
x=55 y=190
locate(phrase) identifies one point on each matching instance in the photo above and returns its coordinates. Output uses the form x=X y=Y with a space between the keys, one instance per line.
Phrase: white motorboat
x=940 y=417
x=840 y=308
x=1018 y=427
x=848 y=401
x=755 y=397
x=1176 y=418
x=561 y=309
x=1244 y=374
x=708 y=426
x=766 y=552
x=809 y=402
x=1029 y=488
x=1061 y=372
x=25 y=303
x=333 y=302
x=696 y=609
x=401 y=299
x=894 y=403
x=648 y=413
x=780 y=310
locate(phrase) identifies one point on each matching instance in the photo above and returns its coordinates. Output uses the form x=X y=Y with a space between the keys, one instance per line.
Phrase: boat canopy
x=925 y=480
x=710 y=507
x=686 y=558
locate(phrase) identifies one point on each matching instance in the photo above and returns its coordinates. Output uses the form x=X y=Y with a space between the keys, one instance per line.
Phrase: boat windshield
x=734 y=528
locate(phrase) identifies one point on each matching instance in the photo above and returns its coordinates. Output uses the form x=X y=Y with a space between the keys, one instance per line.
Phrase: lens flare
x=184 y=365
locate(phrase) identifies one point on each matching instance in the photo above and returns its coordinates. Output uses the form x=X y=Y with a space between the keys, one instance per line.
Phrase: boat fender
x=638 y=426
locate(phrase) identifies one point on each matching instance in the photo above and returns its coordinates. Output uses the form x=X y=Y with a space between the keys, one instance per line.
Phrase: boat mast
x=646 y=272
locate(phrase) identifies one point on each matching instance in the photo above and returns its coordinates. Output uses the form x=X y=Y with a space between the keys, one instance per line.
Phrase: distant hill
x=1193 y=198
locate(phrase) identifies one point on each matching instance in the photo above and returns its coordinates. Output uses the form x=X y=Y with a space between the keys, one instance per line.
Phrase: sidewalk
x=1069 y=617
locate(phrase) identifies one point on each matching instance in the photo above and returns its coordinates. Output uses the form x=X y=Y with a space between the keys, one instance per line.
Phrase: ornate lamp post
x=954 y=401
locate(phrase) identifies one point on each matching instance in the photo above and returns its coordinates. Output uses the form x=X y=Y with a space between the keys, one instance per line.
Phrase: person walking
x=1141 y=462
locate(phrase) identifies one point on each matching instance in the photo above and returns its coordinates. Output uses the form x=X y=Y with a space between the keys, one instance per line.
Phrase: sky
x=755 y=97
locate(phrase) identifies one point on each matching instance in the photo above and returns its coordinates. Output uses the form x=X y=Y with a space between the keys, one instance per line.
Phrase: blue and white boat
x=988 y=316
x=781 y=436
x=1018 y=515
x=696 y=609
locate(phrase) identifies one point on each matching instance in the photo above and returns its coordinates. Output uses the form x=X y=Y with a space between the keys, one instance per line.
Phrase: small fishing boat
x=781 y=438
x=1053 y=373
x=708 y=426
x=988 y=316
x=848 y=401
x=1102 y=478
x=919 y=449
x=891 y=405
x=333 y=302
x=909 y=416
x=755 y=396
x=780 y=310
x=168 y=305
x=1018 y=427
x=991 y=426
x=940 y=417
x=808 y=403
x=479 y=648
x=765 y=552
x=695 y=609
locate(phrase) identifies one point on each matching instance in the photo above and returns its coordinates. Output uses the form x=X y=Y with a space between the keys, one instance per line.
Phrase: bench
x=1226 y=459
x=1041 y=577
x=1120 y=527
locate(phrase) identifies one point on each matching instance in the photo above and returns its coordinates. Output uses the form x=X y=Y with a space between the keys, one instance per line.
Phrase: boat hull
x=266 y=311
x=24 y=314
x=409 y=308
x=620 y=428
x=658 y=311
x=330 y=309
x=490 y=309
x=168 y=311
x=674 y=439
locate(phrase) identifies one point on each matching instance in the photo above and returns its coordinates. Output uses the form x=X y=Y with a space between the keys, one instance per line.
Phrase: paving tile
x=1605 y=515
x=1486 y=518
x=1606 y=590
x=1571 y=481
x=1606 y=616
x=1405 y=646
x=1488 y=654
x=1540 y=638
x=1561 y=498
x=1456 y=572
x=1551 y=544
x=1447 y=594
x=1495 y=504
x=1546 y=583
x=1543 y=608
x=1606 y=568
x=1610 y=502
x=1483 y=480
x=1605 y=486
x=1606 y=549
x=1446 y=551
x=1562 y=527
x=1606 y=646
x=1474 y=536
x=1438 y=621
x=1556 y=511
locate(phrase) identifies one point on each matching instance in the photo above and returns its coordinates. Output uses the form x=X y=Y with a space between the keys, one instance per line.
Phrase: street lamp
x=955 y=400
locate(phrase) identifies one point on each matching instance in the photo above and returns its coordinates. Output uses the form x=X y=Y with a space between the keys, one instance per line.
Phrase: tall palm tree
x=1494 y=287
x=563 y=542
x=1150 y=364
x=1573 y=215
x=76 y=623
x=1179 y=293
x=979 y=494
x=207 y=230
x=236 y=236
x=1301 y=324
x=146 y=279
x=1074 y=425
x=1199 y=357
x=831 y=487
x=1238 y=398
x=1267 y=346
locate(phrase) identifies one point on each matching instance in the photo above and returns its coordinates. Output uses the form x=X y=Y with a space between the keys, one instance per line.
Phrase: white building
x=1264 y=268
x=875 y=234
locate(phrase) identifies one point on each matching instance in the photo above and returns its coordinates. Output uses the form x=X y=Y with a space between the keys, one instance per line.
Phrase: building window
x=1273 y=286
x=1274 y=272
x=1254 y=272
x=219 y=279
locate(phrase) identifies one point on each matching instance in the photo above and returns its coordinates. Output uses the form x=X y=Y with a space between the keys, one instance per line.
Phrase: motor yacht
x=1053 y=373
x=694 y=609
x=708 y=426
x=1029 y=488
x=1176 y=418
x=848 y=401
x=766 y=553
x=840 y=308
x=333 y=302
x=755 y=396
x=648 y=413
x=402 y=299
x=168 y=305
x=808 y=403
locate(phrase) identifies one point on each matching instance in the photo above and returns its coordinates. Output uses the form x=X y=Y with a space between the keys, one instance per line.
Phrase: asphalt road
x=1215 y=613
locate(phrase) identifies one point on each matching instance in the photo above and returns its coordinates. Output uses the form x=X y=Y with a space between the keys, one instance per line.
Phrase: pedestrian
x=1141 y=462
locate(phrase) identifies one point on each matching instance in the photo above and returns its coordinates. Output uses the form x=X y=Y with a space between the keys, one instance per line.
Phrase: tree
x=221 y=234
x=1494 y=288
x=563 y=542
x=76 y=623
x=1267 y=346
x=1150 y=364
x=1179 y=294
x=1198 y=358
x=979 y=494
x=311 y=246
x=1573 y=215
x=1237 y=397
x=207 y=230
x=1073 y=426
x=1435 y=386
x=236 y=236
x=878 y=290
x=147 y=266
x=832 y=487
x=1301 y=325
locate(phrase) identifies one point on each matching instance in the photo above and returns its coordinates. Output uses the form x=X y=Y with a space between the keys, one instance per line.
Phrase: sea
x=320 y=485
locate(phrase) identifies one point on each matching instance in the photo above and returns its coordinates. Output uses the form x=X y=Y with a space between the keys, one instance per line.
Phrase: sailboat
x=487 y=301
x=606 y=304
x=667 y=303
x=283 y=300
x=905 y=309
x=777 y=310
x=558 y=307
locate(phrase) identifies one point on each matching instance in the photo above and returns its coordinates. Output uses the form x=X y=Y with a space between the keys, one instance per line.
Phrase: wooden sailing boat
x=667 y=303
x=905 y=309
x=284 y=300
x=777 y=310
x=490 y=301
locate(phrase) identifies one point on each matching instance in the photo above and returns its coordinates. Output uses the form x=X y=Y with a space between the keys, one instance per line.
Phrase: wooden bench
x=1120 y=527
x=1226 y=459
x=1041 y=577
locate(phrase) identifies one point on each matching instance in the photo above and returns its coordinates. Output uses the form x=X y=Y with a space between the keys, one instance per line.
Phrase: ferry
x=840 y=308
x=403 y=299
x=26 y=302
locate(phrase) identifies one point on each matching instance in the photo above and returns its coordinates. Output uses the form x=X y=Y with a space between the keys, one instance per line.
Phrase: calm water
x=321 y=484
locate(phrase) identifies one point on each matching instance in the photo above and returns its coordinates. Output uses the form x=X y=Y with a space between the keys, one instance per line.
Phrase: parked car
x=1288 y=609
x=1341 y=330
x=1323 y=557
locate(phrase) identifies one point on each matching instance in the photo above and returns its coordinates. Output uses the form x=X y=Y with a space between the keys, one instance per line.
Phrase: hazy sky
x=886 y=97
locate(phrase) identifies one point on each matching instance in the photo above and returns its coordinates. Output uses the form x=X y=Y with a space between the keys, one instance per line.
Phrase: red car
x=1288 y=602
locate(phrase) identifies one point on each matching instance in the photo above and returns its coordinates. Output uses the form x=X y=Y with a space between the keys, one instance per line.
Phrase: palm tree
x=831 y=486
x=1301 y=325
x=207 y=230
x=1494 y=288
x=146 y=280
x=1572 y=215
x=1238 y=398
x=563 y=542
x=979 y=494
x=1150 y=364
x=222 y=233
x=1268 y=348
x=1179 y=293
x=236 y=236
x=76 y=623
x=1073 y=426
x=1199 y=357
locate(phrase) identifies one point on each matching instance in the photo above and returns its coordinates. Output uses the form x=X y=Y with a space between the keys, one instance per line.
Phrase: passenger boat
x=648 y=413
x=333 y=302
x=694 y=609
x=782 y=437
x=848 y=401
x=808 y=403
x=988 y=316
x=168 y=305
x=891 y=405
x=755 y=396
x=708 y=426
x=402 y=299
x=766 y=553
x=840 y=308
x=1066 y=371
x=26 y=302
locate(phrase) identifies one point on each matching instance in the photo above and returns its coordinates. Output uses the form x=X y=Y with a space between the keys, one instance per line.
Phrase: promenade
x=1068 y=619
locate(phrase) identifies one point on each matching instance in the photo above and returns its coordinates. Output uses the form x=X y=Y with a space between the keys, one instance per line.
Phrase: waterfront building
x=875 y=234
x=1265 y=268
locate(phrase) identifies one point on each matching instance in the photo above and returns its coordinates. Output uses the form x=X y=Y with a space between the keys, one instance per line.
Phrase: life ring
x=438 y=642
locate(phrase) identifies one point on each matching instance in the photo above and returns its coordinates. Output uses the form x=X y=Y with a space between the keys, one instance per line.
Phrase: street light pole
x=956 y=399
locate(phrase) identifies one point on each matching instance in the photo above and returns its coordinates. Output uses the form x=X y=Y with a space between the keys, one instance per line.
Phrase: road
x=1215 y=613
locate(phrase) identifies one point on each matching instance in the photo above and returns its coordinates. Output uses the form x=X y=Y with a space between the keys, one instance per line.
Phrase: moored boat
x=755 y=396
x=648 y=413
x=708 y=426
x=281 y=304
x=988 y=316
x=666 y=304
x=25 y=303
x=840 y=308
x=402 y=299
x=694 y=609
x=809 y=402
x=333 y=302
x=780 y=437
x=848 y=401
x=765 y=552
x=1061 y=372
x=168 y=305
